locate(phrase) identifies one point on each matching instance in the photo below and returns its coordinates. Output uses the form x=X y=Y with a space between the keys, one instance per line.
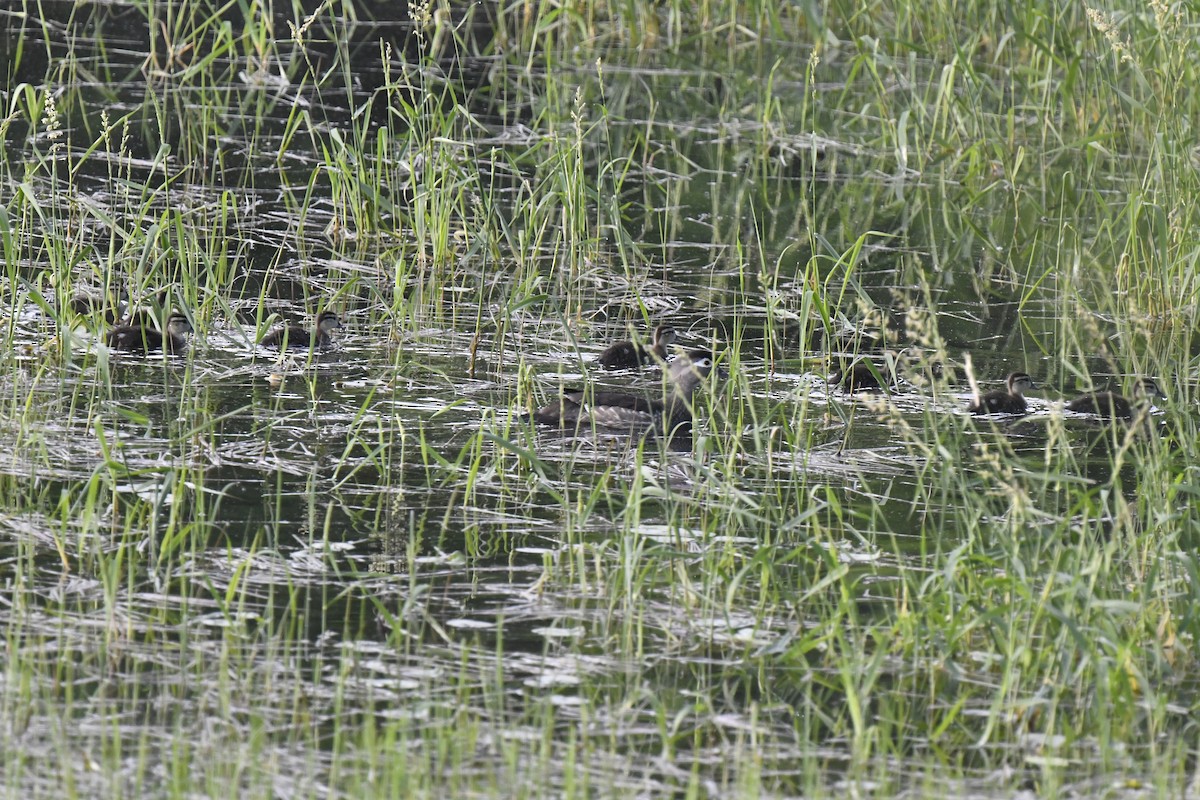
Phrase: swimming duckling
x=145 y=338
x=294 y=335
x=864 y=375
x=1112 y=406
x=620 y=411
x=89 y=305
x=93 y=304
x=896 y=367
x=1005 y=402
x=859 y=376
x=623 y=355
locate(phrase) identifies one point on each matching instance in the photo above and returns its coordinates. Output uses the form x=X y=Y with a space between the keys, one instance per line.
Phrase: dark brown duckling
x=89 y=303
x=1010 y=401
x=145 y=338
x=633 y=413
x=863 y=375
x=887 y=373
x=90 y=306
x=1112 y=406
x=293 y=335
x=626 y=355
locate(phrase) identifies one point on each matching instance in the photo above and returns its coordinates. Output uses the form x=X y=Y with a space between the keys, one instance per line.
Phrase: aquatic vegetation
x=364 y=574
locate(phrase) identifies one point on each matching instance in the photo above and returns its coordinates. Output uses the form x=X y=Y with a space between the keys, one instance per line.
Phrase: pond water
x=362 y=571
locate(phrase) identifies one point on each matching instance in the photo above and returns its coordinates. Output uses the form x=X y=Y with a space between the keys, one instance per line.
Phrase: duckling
x=145 y=338
x=859 y=376
x=1005 y=402
x=90 y=305
x=93 y=304
x=620 y=411
x=623 y=355
x=863 y=375
x=896 y=366
x=293 y=335
x=1112 y=406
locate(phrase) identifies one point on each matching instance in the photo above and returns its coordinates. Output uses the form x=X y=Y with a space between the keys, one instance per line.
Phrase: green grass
x=378 y=580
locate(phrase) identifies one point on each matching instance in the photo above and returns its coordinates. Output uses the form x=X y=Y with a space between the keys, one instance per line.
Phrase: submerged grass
x=378 y=579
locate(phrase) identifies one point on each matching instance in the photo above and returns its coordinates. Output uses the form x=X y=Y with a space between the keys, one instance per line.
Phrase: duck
x=90 y=305
x=626 y=355
x=1008 y=401
x=864 y=375
x=143 y=337
x=294 y=335
x=1112 y=406
x=859 y=376
x=633 y=413
x=94 y=304
x=909 y=364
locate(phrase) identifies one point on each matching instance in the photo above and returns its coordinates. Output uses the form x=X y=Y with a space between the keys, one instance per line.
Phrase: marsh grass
x=377 y=579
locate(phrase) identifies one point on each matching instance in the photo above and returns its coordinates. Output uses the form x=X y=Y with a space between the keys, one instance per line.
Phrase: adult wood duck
x=143 y=337
x=1008 y=401
x=293 y=335
x=1112 y=406
x=633 y=413
x=624 y=355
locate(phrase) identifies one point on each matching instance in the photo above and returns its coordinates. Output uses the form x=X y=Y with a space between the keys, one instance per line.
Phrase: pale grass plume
x=421 y=13
x=51 y=121
x=1165 y=19
x=920 y=325
x=1104 y=24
